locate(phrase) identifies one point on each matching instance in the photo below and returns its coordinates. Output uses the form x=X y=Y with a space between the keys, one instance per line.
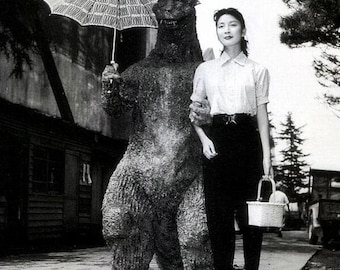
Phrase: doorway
x=13 y=163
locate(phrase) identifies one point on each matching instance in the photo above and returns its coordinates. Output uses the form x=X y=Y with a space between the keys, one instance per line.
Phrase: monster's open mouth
x=169 y=23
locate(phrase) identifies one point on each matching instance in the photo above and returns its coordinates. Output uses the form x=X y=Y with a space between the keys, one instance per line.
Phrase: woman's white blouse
x=231 y=86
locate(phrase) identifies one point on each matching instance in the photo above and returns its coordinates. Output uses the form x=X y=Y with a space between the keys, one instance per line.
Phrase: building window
x=48 y=170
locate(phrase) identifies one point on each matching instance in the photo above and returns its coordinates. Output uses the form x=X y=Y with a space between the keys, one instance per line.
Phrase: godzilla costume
x=153 y=204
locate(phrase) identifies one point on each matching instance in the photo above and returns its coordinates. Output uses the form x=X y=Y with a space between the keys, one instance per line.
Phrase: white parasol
x=116 y=14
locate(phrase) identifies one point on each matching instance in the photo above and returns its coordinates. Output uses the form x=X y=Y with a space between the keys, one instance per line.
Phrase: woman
x=236 y=145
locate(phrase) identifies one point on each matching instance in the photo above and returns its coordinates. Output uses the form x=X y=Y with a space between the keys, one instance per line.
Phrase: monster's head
x=177 y=39
x=171 y=14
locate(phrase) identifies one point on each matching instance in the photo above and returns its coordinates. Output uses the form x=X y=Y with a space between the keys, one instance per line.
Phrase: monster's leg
x=192 y=229
x=166 y=239
x=127 y=222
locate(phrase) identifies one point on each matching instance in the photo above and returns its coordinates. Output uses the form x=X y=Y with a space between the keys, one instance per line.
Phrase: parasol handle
x=113 y=63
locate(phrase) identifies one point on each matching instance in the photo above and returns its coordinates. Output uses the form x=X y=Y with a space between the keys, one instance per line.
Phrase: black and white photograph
x=170 y=134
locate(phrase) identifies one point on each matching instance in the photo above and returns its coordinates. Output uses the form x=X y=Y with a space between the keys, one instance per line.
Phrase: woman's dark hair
x=238 y=16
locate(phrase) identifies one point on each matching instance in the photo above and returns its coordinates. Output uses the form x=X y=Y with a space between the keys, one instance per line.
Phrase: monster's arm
x=119 y=92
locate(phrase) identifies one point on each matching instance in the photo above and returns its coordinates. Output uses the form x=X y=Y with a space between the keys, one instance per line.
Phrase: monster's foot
x=130 y=238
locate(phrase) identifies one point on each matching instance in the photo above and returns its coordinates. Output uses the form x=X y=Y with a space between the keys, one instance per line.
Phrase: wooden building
x=53 y=171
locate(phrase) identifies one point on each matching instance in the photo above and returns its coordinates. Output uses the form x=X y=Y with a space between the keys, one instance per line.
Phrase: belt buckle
x=231 y=119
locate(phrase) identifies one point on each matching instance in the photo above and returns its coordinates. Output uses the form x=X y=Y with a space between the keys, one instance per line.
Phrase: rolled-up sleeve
x=199 y=92
x=262 y=85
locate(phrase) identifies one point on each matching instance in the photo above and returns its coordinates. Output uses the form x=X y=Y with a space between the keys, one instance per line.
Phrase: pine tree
x=316 y=22
x=291 y=171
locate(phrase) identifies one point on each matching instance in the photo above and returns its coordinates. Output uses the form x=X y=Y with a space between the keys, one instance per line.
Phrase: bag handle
x=270 y=179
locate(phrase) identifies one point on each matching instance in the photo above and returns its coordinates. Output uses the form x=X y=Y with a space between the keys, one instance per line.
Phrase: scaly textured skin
x=147 y=208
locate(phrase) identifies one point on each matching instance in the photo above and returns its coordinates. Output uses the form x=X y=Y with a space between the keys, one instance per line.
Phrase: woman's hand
x=208 y=148
x=267 y=168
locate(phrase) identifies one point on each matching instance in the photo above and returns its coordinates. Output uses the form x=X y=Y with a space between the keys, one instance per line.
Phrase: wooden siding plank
x=40 y=210
x=45 y=217
x=40 y=236
x=33 y=230
x=45 y=223
x=39 y=217
x=45 y=198
x=84 y=221
x=44 y=206
x=85 y=196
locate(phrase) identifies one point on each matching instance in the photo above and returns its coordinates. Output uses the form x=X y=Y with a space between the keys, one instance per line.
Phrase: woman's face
x=229 y=31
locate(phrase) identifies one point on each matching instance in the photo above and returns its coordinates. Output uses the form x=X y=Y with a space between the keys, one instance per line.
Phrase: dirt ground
x=324 y=259
x=291 y=252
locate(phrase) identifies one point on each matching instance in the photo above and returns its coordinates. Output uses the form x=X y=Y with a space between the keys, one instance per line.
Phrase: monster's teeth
x=168 y=22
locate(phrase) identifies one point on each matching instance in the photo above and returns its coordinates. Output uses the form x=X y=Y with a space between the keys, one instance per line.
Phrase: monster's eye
x=162 y=3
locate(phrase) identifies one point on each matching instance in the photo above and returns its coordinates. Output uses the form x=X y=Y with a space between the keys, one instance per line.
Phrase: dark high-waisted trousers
x=231 y=179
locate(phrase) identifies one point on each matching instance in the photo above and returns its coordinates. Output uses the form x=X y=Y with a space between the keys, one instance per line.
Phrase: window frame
x=42 y=165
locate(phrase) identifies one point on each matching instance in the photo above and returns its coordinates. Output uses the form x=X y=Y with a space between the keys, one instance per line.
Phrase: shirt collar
x=240 y=59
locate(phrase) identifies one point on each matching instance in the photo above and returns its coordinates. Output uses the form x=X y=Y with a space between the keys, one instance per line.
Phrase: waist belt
x=234 y=119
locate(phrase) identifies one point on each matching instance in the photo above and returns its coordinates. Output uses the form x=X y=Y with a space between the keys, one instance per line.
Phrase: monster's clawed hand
x=200 y=113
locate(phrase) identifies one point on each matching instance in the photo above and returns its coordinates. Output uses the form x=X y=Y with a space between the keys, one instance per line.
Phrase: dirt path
x=288 y=253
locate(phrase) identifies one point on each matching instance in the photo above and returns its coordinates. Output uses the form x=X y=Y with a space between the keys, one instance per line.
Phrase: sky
x=294 y=87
